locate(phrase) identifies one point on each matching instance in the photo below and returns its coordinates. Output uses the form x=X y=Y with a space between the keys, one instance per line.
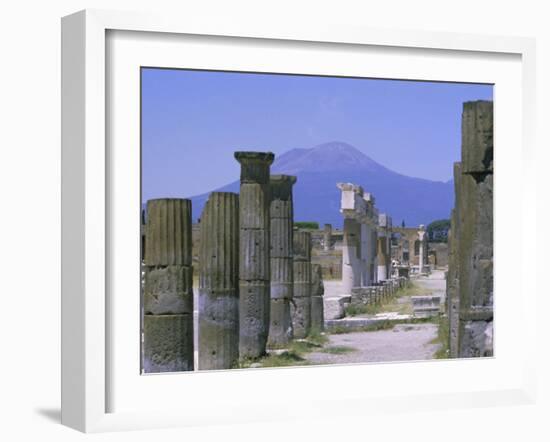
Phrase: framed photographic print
x=252 y=215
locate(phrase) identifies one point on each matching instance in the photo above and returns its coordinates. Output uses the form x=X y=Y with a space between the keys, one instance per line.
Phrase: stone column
x=282 y=219
x=254 y=262
x=317 y=292
x=219 y=282
x=168 y=287
x=301 y=304
x=365 y=245
x=421 y=238
x=382 y=259
x=475 y=247
x=327 y=235
x=351 y=269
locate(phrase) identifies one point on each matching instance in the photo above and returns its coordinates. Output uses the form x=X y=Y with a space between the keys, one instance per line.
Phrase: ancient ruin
x=168 y=287
x=219 y=282
x=470 y=276
x=300 y=309
x=359 y=246
x=281 y=259
x=254 y=254
x=265 y=279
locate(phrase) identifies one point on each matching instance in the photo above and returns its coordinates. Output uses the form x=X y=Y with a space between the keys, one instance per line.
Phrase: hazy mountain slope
x=316 y=197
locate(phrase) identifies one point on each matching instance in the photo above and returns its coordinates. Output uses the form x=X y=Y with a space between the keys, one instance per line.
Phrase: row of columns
x=360 y=242
x=257 y=285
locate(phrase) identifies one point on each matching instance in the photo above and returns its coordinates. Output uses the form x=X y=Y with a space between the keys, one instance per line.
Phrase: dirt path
x=405 y=342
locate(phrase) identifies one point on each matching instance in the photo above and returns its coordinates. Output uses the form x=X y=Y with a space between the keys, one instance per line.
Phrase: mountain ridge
x=316 y=197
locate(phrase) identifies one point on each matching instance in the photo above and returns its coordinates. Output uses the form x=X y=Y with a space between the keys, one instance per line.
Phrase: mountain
x=316 y=197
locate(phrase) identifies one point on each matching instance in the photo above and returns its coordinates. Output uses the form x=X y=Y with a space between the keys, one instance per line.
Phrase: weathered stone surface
x=302 y=273
x=302 y=246
x=317 y=314
x=477 y=137
x=300 y=311
x=425 y=306
x=281 y=261
x=168 y=343
x=168 y=232
x=254 y=308
x=219 y=282
x=168 y=290
x=280 y=326
x=476 y=339
x=334 y=307
x=254 y=206
x=281 y=238
x=254 y=252
x=317 y=286
x=254 y=166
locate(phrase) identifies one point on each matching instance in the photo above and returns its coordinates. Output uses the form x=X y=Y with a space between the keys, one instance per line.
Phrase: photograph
x=304 y=220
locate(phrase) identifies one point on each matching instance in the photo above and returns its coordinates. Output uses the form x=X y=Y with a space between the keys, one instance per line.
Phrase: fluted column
x=281 y=253
x=219 y=282
x=317 y=292
x=168 y=287
x=301 y=302
x=327 y=237
x=254 y=262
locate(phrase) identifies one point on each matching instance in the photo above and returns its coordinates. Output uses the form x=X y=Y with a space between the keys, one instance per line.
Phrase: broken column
x=327 y=237
x=168 y=287
x=475 y=248
x=254 y=262
x=317 y=292
x=219 y=282
x=281 y=259
x=301 y=301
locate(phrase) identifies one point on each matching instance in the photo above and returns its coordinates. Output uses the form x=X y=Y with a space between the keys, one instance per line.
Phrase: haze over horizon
x=193 y=121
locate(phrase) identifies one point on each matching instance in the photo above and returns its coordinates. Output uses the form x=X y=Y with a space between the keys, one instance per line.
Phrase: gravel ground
x=405 y=342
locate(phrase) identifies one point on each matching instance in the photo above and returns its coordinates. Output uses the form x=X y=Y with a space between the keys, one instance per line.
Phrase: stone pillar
x=317 y=292
x=327 y=235
x=351 y=269
x=219 y=282
x=168 y=287
x=475 y=248
x=254 y=263
x=301 y=303
x=421 y=239
x=282 y=219
x=382 y=259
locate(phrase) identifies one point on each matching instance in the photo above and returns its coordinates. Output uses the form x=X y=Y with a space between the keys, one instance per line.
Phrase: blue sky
x=192 y=121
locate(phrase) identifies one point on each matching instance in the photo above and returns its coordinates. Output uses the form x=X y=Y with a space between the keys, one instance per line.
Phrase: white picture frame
x=87 y=354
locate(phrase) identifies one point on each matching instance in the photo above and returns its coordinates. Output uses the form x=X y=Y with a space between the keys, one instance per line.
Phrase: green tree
x=438 y=230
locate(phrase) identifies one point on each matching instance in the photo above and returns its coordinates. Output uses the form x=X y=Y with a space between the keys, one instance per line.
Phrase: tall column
x=382 y=259
x=421 y=238
x=351 y=270
x=301 y=302
x=317 y=306
x=282 y=216
x=364 y=241
x=219 y=282
x=254 y=263
x=168 y=287
x=327 y=235
x=475 y=247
